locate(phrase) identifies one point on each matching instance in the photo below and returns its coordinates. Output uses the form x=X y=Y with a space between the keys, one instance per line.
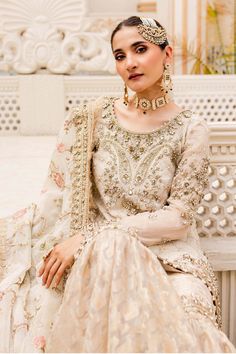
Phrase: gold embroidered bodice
x=133 y=172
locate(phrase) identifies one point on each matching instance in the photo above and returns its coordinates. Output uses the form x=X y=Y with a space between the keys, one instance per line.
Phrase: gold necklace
x=153 y=104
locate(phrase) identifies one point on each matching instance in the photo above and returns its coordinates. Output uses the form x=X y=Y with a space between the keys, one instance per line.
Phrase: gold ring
x=47 y=255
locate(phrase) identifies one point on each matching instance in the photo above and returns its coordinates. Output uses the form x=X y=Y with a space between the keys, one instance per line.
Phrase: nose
x=131 y=63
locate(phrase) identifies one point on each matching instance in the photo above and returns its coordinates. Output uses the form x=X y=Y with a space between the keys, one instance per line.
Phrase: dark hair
x=134 y=21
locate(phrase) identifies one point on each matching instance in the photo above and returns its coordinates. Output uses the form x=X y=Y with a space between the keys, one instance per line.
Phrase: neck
x=150 y=94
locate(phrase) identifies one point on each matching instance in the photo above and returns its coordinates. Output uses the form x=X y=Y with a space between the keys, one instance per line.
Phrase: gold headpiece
x=150 y=31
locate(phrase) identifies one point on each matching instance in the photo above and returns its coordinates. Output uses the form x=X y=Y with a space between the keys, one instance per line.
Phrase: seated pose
x=109 y=260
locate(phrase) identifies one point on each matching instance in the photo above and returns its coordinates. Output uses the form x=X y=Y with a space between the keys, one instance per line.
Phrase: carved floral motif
x=54 y=36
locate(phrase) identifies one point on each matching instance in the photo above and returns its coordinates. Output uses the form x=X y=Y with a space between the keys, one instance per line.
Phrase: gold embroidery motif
x=157 y=153
x=189 y=184
x=196 y=304
x=20 y=326
x=92 y=230
x=83 y=121
x=201 y=269
x=132 y=176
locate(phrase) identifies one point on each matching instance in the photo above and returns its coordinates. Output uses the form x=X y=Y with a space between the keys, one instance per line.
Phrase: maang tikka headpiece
x=150 y=31
x=153 y=33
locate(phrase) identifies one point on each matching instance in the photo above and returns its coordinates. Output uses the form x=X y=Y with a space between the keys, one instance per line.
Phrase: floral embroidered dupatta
x=62 y=210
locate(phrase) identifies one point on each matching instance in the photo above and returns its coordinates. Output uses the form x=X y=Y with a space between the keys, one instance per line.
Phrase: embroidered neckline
x=170 y=124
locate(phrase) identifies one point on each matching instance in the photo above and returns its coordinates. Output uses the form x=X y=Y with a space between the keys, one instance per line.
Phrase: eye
x=119 y=57
x=141 y=49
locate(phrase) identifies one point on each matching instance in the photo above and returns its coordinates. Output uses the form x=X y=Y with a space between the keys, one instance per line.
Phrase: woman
x=109 y=260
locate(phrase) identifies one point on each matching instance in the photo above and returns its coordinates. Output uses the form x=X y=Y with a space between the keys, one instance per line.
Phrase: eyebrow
x=135 y=44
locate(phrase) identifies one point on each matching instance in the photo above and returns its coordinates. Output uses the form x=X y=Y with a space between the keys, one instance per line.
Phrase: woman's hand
x=59 y=259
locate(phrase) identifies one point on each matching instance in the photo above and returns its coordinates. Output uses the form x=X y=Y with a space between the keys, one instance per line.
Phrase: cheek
x=154 y=62
x=119 y=68
x=156 y=65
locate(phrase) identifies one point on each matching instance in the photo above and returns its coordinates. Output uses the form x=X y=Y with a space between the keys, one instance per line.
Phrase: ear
x=169 y=54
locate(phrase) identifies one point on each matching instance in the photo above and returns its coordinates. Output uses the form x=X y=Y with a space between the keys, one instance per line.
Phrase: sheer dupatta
x=30 y=233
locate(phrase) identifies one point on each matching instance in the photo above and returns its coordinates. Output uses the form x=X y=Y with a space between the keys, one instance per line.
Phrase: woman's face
x=138 y=62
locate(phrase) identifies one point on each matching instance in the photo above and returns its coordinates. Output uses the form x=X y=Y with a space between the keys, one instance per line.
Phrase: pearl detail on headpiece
x=150 y=31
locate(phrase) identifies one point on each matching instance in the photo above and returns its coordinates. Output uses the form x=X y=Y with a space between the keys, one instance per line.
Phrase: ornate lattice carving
x=217 y=213
x=213 y=98
x=186 y=94
x=9 y=114
x=74 y=101
x=9 y=107
x=214 y=108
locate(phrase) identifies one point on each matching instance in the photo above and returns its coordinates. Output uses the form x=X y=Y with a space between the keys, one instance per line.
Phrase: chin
x=138 y=88
x=143 y=88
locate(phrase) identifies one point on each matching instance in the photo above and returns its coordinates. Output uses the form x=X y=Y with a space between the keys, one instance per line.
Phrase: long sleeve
x=191 y=177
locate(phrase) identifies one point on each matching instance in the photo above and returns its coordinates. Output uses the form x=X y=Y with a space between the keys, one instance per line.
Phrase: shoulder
x=98 y=105
x=197 y=123
x=93 y=106
x=77 y=113
x=101 y=104
x=89 y=109
x=196 y=131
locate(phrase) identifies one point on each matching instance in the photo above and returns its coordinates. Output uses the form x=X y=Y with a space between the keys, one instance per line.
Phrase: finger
x=60 y=273
x=48 y=266
x=45 y=261
x=52 y=272
x=41 y=269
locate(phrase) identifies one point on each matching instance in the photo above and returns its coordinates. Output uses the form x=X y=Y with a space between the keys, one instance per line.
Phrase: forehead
x=125 y=37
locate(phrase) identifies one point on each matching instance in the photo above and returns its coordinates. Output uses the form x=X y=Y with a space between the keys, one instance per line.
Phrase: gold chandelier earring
x=166 y=83
x=126 y=95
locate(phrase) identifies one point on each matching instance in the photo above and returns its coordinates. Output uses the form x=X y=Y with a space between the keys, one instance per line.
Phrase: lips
x=134 y=76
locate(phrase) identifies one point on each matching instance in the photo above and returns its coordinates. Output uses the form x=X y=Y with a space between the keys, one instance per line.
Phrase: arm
x=191 y=177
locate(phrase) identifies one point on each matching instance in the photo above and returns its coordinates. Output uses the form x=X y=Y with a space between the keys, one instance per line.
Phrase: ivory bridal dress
x=140 y=282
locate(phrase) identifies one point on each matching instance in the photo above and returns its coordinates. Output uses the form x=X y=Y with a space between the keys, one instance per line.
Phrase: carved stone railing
x=24 y=97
